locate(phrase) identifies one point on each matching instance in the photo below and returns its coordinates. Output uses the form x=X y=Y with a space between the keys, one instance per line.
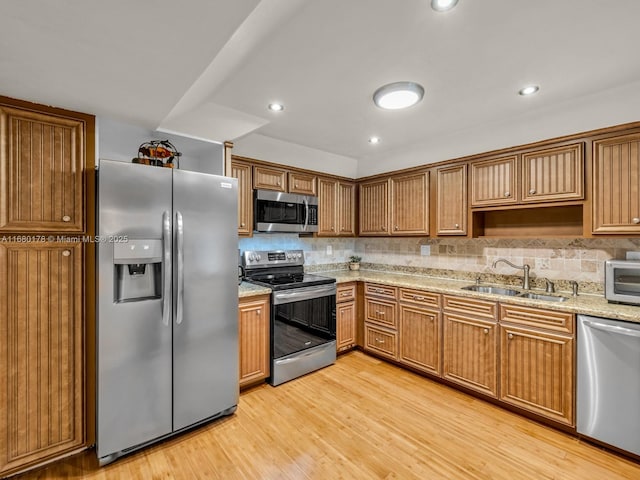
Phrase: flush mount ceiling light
x=398 y=95
x=443 y=5
x=374 y=140
x=276 y=107
x=528 y=90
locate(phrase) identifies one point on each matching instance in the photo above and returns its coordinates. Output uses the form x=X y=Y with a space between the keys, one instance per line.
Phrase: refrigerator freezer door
x=205 y=363
x=134 y=345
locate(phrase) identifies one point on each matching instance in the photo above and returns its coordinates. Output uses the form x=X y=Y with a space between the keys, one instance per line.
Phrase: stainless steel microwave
x=622 y=281
x=284 y=212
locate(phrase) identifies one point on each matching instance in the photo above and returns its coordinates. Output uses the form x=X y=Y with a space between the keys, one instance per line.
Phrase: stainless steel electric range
x=303 y=312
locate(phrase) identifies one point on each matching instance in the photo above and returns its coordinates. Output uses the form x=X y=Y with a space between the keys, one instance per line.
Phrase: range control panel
x=268 y=258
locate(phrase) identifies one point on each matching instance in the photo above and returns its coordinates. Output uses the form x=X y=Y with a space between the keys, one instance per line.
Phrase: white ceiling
x=208 y=68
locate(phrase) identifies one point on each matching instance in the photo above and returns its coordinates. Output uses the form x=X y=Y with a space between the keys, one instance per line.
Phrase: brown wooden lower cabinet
x=41 y=353
x=381 y=340
x=254 y=332
x=470 y=349
x=419 y=333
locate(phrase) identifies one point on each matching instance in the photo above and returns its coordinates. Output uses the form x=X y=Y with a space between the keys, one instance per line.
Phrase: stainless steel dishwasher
x=608 y=404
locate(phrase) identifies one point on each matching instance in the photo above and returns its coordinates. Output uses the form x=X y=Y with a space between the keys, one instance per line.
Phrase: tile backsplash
x=580 y=259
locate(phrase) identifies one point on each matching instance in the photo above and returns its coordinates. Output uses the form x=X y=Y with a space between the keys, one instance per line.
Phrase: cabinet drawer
x=537 y=317
x=424 y=299
x=380 y=312
x=380 y=291
x=470 y=306
x=346 y=292
x=381 y=341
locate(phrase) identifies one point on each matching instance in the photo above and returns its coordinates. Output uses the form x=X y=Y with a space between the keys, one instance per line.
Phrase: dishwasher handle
x=612 y=328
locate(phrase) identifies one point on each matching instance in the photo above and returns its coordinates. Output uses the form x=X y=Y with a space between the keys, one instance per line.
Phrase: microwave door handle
x=306 y=214
x=166 y=267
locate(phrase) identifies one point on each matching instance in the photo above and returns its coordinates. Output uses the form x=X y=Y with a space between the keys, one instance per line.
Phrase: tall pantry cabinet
x=46 y=168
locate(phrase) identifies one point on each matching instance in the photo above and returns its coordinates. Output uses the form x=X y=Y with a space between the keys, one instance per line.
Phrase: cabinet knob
x=242 y=224
x=507 y=194
x=532 y=191
x=384 y=228
x=259 y=312
x=332 y=229
x=278 y=182
x=457 y=225
x=486 y=331
x=510 y=336
x=66 y=218
x=636 y=220
x=296 y=185
x=396 y=227
x=66 y=253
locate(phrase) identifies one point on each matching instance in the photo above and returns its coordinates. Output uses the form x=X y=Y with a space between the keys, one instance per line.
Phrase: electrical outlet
x=425 y=249
x=329 y=250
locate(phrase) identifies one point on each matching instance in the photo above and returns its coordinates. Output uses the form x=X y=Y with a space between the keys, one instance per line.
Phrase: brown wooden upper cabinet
x=302 y=183
x=42 y=160
x=616 y=185
x=493 y=182
x=451 y=210
x=242 y=172
x=374 y=208
x=555 y=174
x=336 y=208
x=397 y=205
x=410 y=204
x=269 y=178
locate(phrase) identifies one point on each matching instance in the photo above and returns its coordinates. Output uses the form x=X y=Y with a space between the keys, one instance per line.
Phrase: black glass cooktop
x=282 y=281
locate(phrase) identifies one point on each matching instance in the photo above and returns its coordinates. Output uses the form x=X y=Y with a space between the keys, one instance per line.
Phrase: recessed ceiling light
x=529 y=90
x=398 y=95
x=443 y=5
x=374 y=140
x=276 y=107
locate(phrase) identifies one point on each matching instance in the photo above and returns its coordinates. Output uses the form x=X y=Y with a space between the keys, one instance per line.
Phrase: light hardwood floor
x=361 y=419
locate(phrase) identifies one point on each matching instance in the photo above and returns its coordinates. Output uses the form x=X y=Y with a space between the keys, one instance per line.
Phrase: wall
x=557 y=259
x=120 y=141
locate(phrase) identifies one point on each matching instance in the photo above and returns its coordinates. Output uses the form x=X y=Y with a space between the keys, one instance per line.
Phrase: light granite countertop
x=595 y=305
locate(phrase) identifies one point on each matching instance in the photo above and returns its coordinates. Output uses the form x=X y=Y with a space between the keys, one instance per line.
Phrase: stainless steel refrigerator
x=167 y=333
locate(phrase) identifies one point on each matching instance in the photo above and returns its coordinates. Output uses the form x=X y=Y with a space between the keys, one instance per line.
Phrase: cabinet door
x=374 y=208
x=470 y=353
x=41 y=352
x=493 y=182
x=452 y=200
x=346 y=211
x=410 y=204
x=302 y=183
x=253 y=319
x=616 y=185
x=346 y=325
x=41 y=172
x=327 y=208
x=245 y=197
x=268 y=178
x=555 y=174
x=419 y=333
x=537 y=372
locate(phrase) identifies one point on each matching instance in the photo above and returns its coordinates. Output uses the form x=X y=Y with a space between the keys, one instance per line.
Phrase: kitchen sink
x=546 y=298
x=490 y=289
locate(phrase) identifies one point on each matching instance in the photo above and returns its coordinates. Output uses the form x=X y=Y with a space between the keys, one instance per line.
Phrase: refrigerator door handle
x=166 y=267
x=612 y=328
x=180 y=253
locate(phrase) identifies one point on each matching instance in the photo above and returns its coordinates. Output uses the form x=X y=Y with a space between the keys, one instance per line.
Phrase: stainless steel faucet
x=551 y=287
x=525 y=267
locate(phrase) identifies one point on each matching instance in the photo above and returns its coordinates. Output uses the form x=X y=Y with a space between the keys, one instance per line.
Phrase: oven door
x=285 y=212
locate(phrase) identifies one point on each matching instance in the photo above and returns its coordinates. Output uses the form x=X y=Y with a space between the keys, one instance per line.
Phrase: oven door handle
x=304 y=293
x=314 y=351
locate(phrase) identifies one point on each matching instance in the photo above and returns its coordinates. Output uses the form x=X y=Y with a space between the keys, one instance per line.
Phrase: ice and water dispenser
x=138 y=270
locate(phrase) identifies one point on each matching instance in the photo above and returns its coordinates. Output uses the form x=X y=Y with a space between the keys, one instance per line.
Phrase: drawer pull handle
x=379 y=340
x=418 y=297
x=379 y=313
x=345 y=294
